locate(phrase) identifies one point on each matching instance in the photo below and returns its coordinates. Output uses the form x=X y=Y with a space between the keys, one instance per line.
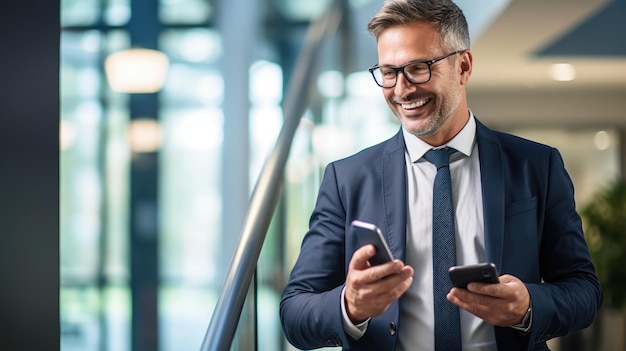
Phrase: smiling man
x=446 y=191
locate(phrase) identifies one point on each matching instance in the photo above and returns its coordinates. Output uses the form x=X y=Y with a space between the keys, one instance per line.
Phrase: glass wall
x=99 y=148
x=189 y=187
x=96 y=156
x=94 y=197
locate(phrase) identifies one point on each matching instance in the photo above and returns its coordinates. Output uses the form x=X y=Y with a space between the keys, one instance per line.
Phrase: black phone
x=368 y=233
x=481 y=272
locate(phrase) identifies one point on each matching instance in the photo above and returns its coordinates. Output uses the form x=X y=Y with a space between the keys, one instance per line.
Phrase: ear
x=466 y=66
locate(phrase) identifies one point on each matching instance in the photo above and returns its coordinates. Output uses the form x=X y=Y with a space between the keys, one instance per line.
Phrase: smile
x=415 y=104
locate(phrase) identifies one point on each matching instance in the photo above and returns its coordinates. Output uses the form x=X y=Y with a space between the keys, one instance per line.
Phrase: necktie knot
x=439 y=157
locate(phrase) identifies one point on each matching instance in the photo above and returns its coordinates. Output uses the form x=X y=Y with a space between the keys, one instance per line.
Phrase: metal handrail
x=221 y=330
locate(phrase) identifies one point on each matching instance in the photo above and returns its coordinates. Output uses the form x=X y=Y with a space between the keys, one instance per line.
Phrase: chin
x=419 y=132
x=418 y=128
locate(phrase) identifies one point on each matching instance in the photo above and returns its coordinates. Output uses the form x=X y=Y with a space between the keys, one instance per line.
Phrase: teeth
x=415 y=104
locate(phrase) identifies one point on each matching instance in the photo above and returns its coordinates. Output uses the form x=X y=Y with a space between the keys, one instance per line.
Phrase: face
x=434 y=111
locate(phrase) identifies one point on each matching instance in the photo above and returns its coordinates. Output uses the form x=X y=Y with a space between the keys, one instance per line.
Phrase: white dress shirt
x=416 y=324
x=416 y=307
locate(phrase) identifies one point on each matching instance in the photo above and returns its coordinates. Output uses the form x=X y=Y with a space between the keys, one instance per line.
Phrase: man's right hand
x=370 y=290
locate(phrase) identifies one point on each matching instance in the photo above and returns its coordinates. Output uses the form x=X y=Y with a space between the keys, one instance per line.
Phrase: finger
x=507 y=278
x=396 y=278
x=368 y=295
x=402 y=283
x=465 y=298
x=501 y=309
x=498 y=290
x=379 y=296
x=383 y=271
x=360 y=257
x=509 y=287
x=482 y=306
x=462 y=300
x=501 y=289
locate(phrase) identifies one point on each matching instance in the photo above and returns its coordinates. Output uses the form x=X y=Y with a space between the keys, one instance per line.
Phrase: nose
x=403 y=86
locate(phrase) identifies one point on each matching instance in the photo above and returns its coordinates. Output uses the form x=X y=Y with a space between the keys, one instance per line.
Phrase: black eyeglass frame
x=397 y=69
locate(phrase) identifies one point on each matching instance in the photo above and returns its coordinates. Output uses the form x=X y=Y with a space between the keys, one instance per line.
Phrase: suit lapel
x=394 y=195
x=492 y=181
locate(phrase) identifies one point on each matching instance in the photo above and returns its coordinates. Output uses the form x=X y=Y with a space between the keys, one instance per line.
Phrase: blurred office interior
x=169 y=110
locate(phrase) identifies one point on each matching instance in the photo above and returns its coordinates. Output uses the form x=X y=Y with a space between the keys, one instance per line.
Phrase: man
x=513 y=206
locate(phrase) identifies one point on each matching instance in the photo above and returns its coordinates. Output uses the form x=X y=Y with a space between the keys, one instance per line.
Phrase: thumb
x=361 y=256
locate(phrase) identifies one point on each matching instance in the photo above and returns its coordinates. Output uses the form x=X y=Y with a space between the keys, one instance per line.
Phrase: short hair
x=445 y=15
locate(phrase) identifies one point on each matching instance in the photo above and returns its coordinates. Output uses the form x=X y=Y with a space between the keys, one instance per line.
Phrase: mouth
x=414 y=104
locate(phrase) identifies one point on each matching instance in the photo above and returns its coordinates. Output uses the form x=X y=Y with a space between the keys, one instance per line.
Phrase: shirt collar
x=462 y=142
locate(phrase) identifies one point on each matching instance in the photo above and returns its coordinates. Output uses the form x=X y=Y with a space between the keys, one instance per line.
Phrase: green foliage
x=605 y=231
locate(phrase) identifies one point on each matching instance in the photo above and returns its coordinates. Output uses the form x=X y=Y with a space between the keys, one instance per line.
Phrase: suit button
x=392 y=328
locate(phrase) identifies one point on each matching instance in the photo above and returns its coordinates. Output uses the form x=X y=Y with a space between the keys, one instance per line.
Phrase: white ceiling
x=511 y=85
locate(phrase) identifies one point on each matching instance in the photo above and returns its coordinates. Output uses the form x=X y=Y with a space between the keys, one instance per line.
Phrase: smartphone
x=481 y=272
x=368 y=233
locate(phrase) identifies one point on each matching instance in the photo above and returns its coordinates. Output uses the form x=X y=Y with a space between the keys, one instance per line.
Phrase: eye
x=417 y=69
x=387 y=72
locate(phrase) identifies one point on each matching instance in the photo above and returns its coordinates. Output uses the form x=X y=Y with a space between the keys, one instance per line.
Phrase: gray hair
x=445 y=15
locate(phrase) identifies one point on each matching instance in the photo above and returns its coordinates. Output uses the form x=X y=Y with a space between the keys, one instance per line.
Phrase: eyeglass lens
x=416 y=73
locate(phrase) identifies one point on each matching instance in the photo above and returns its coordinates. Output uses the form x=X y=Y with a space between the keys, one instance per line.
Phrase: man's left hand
x=502 y=304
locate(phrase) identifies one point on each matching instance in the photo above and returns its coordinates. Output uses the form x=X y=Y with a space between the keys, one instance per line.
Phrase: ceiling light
x=562 y=72
x=602 y=140
x=136 y=70
x=144 y=135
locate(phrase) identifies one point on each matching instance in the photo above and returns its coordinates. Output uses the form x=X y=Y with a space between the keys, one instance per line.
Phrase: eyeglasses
x=416 y=72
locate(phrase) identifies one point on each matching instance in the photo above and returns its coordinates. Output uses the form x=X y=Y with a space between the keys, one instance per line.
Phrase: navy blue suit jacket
x=532 y=231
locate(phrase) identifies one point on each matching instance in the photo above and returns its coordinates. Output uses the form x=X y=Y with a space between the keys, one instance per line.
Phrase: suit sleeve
x=570 y=295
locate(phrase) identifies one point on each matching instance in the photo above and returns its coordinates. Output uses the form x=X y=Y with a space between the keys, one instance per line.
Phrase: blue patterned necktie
x=447 y=320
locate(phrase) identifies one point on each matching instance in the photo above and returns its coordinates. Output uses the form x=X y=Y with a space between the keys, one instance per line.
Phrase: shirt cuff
x=355 y=331
x=526 y=322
